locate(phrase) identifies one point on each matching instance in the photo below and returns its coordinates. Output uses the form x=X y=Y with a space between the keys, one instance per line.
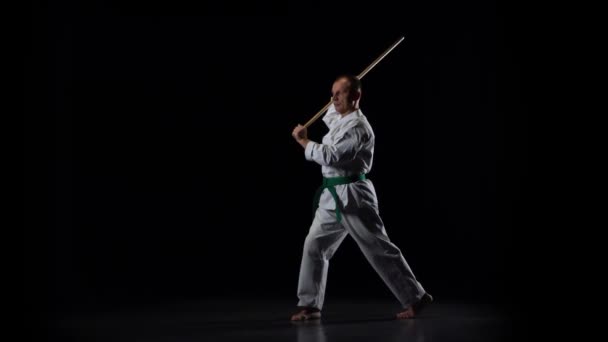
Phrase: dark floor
x=258 y=320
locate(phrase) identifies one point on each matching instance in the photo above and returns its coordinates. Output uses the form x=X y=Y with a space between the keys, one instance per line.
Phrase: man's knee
x=312 y=246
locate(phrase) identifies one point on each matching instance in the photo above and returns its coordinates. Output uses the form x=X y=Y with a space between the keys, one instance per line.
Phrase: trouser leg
x=322 y=241
x=367 y=229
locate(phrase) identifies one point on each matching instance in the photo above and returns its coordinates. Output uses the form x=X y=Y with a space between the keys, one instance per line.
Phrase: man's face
x=340 y=91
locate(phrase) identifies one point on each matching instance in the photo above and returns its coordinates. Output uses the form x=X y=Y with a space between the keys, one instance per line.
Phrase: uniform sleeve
x=344 y=149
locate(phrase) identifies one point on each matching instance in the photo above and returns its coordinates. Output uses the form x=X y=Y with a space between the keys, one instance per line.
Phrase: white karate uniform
x=348 y=150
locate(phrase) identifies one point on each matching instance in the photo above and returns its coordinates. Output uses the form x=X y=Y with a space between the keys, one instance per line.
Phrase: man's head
x=346 y=92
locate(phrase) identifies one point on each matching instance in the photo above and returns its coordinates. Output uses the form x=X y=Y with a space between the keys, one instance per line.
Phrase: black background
x=159 y=163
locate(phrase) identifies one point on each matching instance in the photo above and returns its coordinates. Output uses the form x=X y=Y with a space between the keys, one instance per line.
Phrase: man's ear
x=355 y=96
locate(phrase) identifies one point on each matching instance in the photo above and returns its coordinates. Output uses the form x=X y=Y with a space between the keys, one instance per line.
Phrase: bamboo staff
x=314 y=118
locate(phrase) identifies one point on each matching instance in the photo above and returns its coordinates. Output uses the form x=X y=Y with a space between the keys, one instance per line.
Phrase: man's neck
x=350 y=110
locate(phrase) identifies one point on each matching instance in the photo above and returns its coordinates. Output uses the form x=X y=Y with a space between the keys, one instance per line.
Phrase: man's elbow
x=333 y=160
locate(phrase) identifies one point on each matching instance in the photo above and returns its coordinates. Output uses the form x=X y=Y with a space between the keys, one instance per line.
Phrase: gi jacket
x=347 y=150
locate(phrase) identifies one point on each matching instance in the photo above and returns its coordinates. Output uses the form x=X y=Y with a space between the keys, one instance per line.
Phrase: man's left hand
x=300 y=133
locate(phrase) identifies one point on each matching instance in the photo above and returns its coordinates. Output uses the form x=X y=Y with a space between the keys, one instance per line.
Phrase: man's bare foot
x=306 y=314
x=416 y=308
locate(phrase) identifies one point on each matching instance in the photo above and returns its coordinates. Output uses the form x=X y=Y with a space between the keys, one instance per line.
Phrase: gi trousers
x=365 y=226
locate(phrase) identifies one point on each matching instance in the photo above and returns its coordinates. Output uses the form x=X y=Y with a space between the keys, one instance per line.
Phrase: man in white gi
x=347 y=204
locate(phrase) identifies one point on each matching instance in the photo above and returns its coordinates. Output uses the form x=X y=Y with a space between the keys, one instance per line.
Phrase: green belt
x=329 y=184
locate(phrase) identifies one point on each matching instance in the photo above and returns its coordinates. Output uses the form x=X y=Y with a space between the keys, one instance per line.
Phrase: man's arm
x=345 y=148
x=300 y=133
